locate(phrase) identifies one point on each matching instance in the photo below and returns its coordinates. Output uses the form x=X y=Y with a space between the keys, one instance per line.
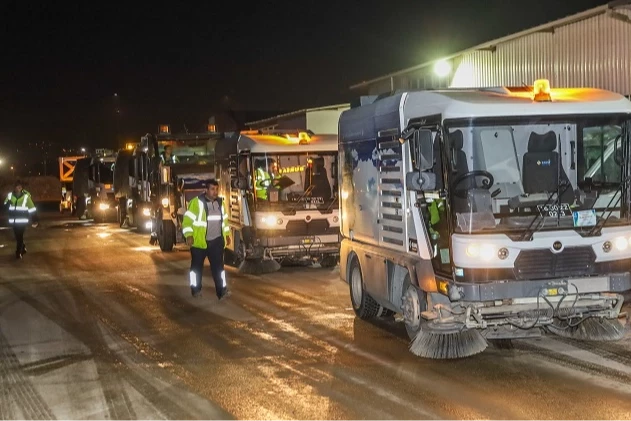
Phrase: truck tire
x=364 y=305
x=414 y=302
x=166 y=236
x=121 y=212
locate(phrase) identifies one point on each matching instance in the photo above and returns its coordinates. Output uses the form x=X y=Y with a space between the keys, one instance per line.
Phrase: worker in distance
x=21 y=211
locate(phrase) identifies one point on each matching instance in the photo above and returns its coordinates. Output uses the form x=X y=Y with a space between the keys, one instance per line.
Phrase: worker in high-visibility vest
x=207 y=234
x=167 y=157
x=21 y=211
x=263 y=175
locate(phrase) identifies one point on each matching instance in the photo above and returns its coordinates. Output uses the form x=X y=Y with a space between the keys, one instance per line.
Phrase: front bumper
x=300 y=246
x=509 y=289
x=517 y=308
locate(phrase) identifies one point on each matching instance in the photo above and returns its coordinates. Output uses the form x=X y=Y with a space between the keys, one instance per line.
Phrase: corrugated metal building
x=322 y=120
x=588 y=49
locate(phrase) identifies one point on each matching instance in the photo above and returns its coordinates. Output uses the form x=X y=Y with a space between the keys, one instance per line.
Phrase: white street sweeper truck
x=488 y=214
x=282 y=192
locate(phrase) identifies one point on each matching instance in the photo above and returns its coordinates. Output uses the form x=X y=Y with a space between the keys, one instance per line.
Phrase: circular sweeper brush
x=590 y=329
x=258 y=266
x=447 y=341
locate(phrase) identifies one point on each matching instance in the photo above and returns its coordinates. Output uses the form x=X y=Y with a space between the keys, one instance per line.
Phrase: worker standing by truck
x=206 y=234
x=21 y=209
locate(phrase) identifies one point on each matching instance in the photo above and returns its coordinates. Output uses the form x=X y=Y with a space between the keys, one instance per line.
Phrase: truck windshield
x=286 y=182
x=536 y=173
x=189 y=151
x=102 y=173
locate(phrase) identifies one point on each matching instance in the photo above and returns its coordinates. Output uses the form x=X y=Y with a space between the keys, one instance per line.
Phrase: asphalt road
x=95 y=323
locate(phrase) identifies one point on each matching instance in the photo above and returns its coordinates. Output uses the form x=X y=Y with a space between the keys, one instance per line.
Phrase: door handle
x=368 y=256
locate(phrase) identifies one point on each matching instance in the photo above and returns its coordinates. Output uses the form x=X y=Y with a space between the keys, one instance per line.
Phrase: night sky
x=62 y=64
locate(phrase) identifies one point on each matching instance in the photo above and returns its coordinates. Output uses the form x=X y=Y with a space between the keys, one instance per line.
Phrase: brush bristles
x=449 y=345
x=253 y=267
x=590 y=329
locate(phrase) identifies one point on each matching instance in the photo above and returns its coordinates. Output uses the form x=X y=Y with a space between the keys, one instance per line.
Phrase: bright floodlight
x=442 y=68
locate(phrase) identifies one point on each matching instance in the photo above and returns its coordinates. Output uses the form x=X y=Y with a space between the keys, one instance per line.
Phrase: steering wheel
x=486 y=184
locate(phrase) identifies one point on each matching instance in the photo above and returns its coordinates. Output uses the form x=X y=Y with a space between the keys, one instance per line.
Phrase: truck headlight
x=165 y=202
x=271 y=221
x=621 y=243
x=104 y=206
x=485 y=252
x=146 y=212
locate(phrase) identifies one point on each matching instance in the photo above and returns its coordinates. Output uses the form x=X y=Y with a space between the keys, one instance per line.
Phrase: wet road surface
x=95 y=323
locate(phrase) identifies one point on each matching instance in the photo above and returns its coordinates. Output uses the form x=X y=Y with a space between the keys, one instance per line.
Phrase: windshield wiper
x=597 y=229
x=307 y=191
x=527 y=236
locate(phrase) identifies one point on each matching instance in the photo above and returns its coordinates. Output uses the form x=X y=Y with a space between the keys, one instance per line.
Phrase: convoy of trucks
x=477 y=214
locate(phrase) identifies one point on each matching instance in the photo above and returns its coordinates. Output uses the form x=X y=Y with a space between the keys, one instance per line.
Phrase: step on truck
x=282 y=194
x=488 y=214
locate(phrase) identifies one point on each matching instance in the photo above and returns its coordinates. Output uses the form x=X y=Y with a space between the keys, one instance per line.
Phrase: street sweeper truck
x=488 y=214
x=281 y=187
x=178 y=166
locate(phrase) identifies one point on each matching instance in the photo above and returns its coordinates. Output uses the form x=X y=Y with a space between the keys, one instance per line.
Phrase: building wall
x=595 y=52
x=324 y=121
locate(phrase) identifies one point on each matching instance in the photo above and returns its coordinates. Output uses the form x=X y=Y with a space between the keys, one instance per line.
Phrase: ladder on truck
x=392 y=219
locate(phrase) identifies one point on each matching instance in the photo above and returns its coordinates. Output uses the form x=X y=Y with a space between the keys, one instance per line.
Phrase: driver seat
x=456 y=139
x=475 y=200
x=542 y=167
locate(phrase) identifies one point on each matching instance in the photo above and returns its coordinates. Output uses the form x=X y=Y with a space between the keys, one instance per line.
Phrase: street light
x=442 y=68
x=83 y=150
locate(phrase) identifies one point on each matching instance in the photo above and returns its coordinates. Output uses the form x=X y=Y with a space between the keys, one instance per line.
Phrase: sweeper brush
x=590 y=329
x=447 y=343
x=258 y=267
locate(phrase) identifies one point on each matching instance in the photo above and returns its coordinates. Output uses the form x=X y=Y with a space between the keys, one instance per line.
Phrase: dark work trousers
x=214 y=253
x=18 y=231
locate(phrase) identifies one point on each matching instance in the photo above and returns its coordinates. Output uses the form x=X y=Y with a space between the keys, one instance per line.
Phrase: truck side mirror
x=422 y=148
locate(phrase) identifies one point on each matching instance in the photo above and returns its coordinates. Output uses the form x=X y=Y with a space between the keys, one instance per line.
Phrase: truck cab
x=174 y=182
x=92 y=186
x=282 y=191
x=503 y=212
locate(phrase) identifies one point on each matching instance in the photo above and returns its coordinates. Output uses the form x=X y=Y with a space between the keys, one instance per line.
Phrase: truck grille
x=543 y=263
x=314 y=227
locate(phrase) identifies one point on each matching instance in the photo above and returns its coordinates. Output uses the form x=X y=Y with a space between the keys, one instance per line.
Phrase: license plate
x=553 y=211
x=308 y=241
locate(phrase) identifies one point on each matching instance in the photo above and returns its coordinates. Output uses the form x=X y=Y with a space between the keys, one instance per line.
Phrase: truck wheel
x=121 y=216
x=364 y=305
x=166 y=236
x=413 y=304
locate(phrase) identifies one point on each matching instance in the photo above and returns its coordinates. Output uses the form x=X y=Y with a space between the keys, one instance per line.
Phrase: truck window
x=295 y=181
x=599 y=153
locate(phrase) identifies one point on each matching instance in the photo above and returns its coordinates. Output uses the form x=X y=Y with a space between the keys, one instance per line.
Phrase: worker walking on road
x=21 y=211
x=206 y=234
